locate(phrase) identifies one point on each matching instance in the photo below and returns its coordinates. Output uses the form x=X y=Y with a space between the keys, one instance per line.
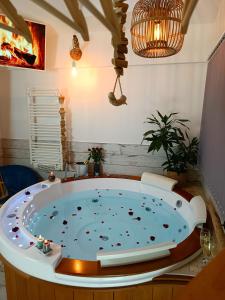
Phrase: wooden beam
x=9 y=28
x=186 y=3
x=52 y=10
x=109 y=12
x=187 y=13
x=100 y=17
x=78 y=17
x=18 y=21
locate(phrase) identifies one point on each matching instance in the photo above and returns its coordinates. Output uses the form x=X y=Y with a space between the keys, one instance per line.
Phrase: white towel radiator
x=47 y=129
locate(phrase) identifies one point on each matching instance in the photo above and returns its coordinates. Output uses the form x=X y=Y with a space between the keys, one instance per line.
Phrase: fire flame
x=16 y=51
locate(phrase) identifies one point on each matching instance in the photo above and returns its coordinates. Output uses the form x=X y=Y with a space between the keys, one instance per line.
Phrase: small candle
x=46 y=246
x=51 y=176
x=40 y=242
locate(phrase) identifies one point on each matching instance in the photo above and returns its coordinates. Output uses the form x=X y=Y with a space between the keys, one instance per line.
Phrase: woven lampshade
x=156 y=28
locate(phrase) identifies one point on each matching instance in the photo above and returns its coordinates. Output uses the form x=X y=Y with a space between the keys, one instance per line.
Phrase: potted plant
x=96 y=157
x=172 y=135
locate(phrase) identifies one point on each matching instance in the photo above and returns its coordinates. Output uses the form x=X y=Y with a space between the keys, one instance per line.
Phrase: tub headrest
x=199 y=210
x=160 y=181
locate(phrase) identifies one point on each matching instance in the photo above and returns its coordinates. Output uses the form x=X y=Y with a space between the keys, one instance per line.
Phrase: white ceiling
x=205 y=12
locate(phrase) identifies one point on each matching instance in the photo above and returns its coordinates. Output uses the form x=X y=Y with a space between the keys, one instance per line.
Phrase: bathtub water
x=86 y=222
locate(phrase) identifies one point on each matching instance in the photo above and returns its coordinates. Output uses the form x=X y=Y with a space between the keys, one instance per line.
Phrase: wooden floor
x=209 y=284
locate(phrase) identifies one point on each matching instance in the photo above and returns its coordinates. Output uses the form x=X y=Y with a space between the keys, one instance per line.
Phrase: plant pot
x=97 y=168
x=101 y=169
x=181 y=178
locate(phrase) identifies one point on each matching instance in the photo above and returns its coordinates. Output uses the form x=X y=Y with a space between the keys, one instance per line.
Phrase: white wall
x=168 y=88
x=219 y=25
x=169 y=84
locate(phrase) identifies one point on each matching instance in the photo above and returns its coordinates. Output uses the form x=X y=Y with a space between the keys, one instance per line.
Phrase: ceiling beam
x=78 y=17
x=18 y=22
x=104 y=20
x=9 y=28
x=189 y=7
x=52 y=10
x=109 y=12
x=109 y=19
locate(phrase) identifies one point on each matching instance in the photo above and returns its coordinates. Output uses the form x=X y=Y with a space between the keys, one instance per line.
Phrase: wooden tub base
x=21 y=286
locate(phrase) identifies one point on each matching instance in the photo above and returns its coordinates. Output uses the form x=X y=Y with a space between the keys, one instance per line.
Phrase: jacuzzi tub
x=106 y=232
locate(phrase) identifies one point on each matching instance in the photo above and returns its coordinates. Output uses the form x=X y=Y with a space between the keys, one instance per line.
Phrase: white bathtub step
x=3 y=293
x=2 y=275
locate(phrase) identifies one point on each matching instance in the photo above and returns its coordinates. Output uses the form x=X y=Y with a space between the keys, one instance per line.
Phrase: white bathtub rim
x=44 y=271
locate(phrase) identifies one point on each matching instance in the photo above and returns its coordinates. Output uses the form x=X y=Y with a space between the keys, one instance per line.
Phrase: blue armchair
x=17 y=178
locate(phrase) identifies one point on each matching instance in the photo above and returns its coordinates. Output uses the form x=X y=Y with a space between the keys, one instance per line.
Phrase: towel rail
x=47 y=129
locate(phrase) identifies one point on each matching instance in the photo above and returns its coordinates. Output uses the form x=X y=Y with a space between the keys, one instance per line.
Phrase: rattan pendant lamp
x=156 y=28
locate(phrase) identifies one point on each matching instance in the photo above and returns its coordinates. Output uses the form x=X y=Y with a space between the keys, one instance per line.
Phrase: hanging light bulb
x=157 y=31
x=74 y=69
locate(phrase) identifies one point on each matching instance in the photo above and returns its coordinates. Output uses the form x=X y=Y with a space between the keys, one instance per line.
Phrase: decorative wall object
x=75 y=52
x=47 y=129
x=16 y=51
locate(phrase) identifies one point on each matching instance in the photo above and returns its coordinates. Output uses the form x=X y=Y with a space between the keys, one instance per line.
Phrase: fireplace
x=15 y=51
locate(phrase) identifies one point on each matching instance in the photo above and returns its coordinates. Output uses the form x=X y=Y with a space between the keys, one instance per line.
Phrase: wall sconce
x=75 y=54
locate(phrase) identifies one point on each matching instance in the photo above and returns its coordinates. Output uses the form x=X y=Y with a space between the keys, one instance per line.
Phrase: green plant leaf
x=171 y=134
x=172 y=114
x=183 y=120
x=160 y=115
x=148 y=132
